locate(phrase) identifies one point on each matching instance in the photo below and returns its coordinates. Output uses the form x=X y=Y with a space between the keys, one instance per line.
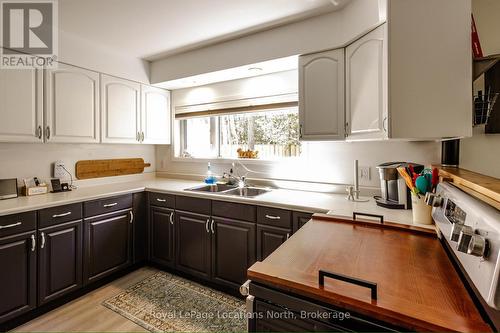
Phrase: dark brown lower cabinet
x=192 y=243
x=269 y=239
x=108 y=244
x=18 y=275
x=60 y=260
x=299 y=219
x=140 y=227
x=162 y=222
x=233 y=250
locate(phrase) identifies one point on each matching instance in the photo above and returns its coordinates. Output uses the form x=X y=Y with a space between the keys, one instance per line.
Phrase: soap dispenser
x=210 y=179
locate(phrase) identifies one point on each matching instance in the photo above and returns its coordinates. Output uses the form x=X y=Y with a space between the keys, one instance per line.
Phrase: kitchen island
x=384 y=276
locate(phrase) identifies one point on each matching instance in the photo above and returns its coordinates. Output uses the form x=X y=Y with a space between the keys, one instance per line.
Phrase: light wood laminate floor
x=86 y=314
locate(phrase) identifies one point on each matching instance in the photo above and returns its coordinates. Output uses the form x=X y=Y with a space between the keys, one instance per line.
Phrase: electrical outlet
x=364 y=173
x=59 y=170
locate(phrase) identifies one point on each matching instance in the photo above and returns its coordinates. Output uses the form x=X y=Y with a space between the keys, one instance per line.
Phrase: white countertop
x=335 y=204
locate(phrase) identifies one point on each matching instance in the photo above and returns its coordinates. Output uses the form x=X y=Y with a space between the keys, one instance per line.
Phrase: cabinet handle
x=61 y=215
x=384 y=124
x=110 y=205
x=363 y=283
x=212 y=227
x=161 y=200
x=33 y=243
x=131 y=217
x=271 y=217
x=10 y=225
x=287 y=235
x=39 y=132
x=138 y=137
x=47 y=132
x=172 y=218
x=43 y=240
x=380 y=217
x=206 y=226
x=142 y=137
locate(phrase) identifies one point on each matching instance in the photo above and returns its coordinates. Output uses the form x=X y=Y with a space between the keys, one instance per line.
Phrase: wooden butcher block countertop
x=418 y=287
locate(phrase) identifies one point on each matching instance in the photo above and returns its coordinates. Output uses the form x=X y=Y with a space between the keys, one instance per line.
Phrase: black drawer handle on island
x=110 y=205
x=271 y=217
x=355 y=214
x=345 y=278
x=161 y=200
x=10 y=225
x=61 y=215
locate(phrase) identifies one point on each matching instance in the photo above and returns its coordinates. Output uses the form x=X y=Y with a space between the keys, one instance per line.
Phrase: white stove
x=472 y=230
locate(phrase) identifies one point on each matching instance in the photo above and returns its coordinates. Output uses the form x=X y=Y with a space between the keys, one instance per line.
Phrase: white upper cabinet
x=71 y=105
x=155 y=115
x=366 y=87
x=120 y=110
x=321 y=96
x=21 y=105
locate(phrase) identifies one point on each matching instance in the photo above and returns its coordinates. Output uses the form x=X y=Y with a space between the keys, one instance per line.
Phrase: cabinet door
x=321 y=96
x=155 y=115
x=18 y=277
x=233 y=250
x=299 y=219
x=192 y=243
x=107 y=245
x=72 y=105
x=269 y=239
x=60 y=260
x=162 y=235
x=366 y=87
x=21 y=105
x=120 y=110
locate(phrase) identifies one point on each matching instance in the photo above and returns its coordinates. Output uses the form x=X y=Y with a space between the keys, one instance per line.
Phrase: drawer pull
x=272 y=217
x=172 y=218
x=110 y=205
x=345 y=278
x=61 y=215
x=33 y=243
x=43 y=241
x=161 y=200
x=355 y=214
x=10 y=225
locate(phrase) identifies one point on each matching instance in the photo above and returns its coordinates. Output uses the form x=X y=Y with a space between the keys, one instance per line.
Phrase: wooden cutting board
x=108 y=168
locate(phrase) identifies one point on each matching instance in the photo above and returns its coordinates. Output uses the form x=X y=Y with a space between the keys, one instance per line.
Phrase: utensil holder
x=422 y=213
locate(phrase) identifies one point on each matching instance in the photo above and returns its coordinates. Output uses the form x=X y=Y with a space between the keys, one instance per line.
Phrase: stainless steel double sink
x=230 y=190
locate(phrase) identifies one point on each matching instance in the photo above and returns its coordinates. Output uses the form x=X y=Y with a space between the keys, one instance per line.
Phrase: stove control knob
x=433 y=199
x=455 y=231
x=465 y=238
x=478 y=246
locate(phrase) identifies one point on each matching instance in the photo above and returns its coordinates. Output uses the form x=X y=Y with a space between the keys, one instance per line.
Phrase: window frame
x=182 y=137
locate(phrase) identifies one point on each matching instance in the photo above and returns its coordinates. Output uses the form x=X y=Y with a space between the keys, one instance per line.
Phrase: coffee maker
x=395 y=193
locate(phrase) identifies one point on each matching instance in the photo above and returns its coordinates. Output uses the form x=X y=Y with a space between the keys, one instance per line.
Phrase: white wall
x=29 y=160
x=83 y=53
x=323 y=32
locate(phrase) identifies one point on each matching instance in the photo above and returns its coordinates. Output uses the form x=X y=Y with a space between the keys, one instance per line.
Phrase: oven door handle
x=363 y=283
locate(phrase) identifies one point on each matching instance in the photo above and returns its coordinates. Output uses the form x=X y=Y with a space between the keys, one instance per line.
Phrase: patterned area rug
x=167 y=303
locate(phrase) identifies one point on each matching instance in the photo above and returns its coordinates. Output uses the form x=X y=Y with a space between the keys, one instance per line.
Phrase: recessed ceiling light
x=255 y=69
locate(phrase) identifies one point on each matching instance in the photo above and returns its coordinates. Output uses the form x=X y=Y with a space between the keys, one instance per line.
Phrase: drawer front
x=107 y=205
x=162 y=200
x=193 y=205
x=60 y=214
x=17 y=223
x=274 y=216
x=234 y=211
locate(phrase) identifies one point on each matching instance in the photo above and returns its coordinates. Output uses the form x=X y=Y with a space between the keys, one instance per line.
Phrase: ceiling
x=151 y=29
